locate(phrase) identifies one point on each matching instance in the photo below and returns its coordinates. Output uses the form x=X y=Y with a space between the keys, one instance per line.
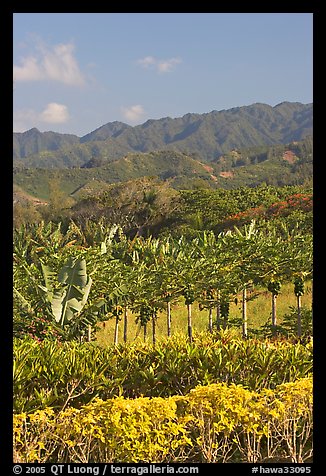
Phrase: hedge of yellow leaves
x=214 y=423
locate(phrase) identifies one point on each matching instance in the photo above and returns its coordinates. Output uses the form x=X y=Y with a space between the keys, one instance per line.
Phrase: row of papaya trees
x=60 y=280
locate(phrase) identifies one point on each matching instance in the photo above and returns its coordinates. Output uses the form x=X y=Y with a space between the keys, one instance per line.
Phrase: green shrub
x=72 y=374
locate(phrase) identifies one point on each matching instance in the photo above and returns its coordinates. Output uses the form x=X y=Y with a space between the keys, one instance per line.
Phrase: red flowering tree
x=281 y=208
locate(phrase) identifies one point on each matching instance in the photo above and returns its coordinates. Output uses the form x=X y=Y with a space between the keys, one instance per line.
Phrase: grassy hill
x=277 y=165
x=207 y=135
x=164 y=164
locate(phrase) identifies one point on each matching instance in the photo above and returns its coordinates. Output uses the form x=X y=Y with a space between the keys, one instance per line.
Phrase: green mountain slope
x=164 y=164
x=207 y=136
x=112 y=129
x=33 y=142
x=276 y=165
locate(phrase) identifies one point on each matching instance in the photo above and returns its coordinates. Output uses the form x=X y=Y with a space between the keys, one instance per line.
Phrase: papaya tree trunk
x=299 y=316
x=145 y=332
x=218 y=312
x=225 y=322
x=116 y=331
x=125 y=325
x=274 y=318
x=189 y=322
x=244 y=314
x=168 y=318
x=154 y=329
x=210 y=320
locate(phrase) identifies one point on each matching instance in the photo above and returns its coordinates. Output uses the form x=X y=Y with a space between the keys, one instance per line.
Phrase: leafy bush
x=72 y=374
x=215 y=423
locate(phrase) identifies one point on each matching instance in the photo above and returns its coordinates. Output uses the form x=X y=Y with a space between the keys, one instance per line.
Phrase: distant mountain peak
x=291 y=104
x=111 y=129
x=34 y=130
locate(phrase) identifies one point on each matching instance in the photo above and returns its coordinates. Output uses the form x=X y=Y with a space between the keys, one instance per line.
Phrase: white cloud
x=56 y=63
x=133 y=113
x=53 y=113
x=147 y=61
x=161 y=66
x=29 y=71
x=167 y=66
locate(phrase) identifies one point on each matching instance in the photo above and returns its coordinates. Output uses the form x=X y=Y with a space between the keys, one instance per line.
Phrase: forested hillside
x=289 y=164
x=208 y=135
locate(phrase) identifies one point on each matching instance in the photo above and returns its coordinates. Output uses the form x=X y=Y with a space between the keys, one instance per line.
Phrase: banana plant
x=68 y=293
x=68 y=299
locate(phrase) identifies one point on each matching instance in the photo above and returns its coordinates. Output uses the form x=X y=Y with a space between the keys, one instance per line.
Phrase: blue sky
x=74 y=72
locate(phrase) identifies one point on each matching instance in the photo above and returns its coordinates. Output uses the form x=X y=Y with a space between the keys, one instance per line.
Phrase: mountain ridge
x=208 y=135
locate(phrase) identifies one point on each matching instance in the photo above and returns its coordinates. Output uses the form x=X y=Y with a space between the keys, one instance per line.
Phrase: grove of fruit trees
x=63 y=288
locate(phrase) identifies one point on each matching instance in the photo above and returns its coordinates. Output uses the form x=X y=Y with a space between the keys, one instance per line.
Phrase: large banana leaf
x=56 y=303
x=69 y=300
x=49 y=275
x=71 y=306
x=73 y=273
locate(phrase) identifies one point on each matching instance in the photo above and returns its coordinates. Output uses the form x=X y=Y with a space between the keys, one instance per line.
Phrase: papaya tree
x=219 y=270
x=295 y=264
x=166 y=281
x=206 y=245
x=207 y=300
x=272 y=270
x=274 y=287
x=225 y=309
x=299 y=291
x=189 y=296
x=246 y=244
x=300 y=269
x=188 y=273
x=144 y=315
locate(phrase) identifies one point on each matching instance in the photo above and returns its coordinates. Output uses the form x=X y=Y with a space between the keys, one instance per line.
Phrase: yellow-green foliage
x=214 y=423
x=233 y=422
